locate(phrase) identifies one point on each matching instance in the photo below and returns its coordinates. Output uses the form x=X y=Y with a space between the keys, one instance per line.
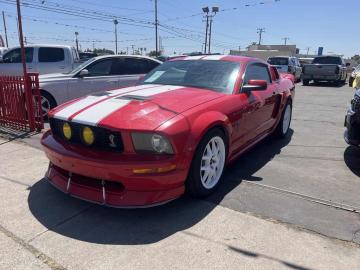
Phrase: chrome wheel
x=286 y=119
x=212 y=162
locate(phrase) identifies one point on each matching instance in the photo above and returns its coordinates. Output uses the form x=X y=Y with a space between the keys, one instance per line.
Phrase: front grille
x=355 y=104
x=104 y=139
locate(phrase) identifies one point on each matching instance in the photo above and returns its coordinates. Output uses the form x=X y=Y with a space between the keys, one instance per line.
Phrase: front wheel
x=284 y=124
x=305 y=82
x=208 y=164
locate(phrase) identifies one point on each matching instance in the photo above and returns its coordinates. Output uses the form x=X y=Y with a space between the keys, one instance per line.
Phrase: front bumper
x=352 y=132
x=108 y=178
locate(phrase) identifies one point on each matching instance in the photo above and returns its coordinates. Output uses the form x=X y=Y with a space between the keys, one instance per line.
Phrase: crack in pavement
x=336 y=205
x=33 y=250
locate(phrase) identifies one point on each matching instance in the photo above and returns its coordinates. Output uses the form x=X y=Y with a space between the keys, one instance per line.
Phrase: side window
x=257 y=72
x=101 y=68
x=135 y=66
x=152 y=65
x=51 y=55
x=14 y=56
x=274 y=74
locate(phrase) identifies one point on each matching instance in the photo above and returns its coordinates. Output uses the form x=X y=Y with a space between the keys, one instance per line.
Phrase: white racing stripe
x=193 y=57
x=93 y=115
x=214 y=57
x=75 y=107
x=66 y=112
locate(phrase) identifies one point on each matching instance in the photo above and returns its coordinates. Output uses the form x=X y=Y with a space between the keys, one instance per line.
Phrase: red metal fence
x=20 y=106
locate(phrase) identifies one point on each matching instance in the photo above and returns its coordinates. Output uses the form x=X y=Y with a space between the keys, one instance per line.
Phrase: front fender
x=204 y=123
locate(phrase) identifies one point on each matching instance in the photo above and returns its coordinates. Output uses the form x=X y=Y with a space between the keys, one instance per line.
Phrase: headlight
x=66 y=128
x=88 y=136
x=150 y=142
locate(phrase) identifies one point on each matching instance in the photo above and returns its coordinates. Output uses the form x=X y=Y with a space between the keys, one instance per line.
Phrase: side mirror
x=353 y=69
x=83 y=73
x=255 y=85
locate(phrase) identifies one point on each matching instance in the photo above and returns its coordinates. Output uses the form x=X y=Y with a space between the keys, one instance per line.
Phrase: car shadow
x=352 y=159
x=87 y=222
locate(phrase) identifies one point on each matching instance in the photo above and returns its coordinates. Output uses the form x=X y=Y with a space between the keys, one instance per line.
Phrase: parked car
x=176 y=131
x=86 y=56
x=354 y=73
x=325 y=68
x=2 y=51
x=287 y=64
x=42 y=59
x=352 y=121
x=99 y=73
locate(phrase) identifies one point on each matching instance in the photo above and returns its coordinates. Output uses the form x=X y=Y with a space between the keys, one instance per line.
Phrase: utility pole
x=239 y=48
x=116 y=38
x=206 y=11
x=285 y=40
x=6 y=38
x=307 y=50
x=77 y=41
x=132 y=46
x=127 y=50
x=156 y=29
x=213 y=13
x=260 y=31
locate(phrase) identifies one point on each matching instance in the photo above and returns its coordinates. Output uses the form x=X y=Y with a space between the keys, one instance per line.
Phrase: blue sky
x=308 y=23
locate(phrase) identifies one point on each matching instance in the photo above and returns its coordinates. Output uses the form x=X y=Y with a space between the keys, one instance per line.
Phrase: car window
x=14 y=56
x=135 y=66
x=257 y=72
x=152 y=65
x=101 y=68
x=50 y=55
x=278 y=61
x=327 y=60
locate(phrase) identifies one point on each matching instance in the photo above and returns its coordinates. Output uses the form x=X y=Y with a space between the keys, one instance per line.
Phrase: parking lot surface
x=286 y=204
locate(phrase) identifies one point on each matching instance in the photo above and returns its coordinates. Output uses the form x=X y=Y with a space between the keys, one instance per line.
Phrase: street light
x=206 y=11
x=116 y=42
x=214 y=11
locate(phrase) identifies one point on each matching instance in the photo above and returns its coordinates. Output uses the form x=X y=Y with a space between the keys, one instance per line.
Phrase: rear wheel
x=284 y=124
x=208 y=164
x=306 y=82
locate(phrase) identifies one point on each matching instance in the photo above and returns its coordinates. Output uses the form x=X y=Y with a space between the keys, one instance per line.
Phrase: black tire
x=194 y=185
x=351 y=80
x=51 y=103
x=281 y=131
x=306 y=82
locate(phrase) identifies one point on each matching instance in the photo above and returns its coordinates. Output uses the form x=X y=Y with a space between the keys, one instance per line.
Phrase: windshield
x=327 y=60
x=278 y=61
x=218 y=76
x=80 y=67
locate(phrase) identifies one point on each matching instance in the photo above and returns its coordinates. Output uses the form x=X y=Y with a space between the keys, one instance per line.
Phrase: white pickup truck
x=43 y=59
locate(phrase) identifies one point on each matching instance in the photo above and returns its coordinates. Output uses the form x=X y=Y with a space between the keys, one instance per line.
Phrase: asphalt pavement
x=286 y=204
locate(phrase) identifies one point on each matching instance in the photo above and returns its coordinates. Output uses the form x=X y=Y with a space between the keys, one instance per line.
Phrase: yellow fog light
x=67 y=131
x=88 y=136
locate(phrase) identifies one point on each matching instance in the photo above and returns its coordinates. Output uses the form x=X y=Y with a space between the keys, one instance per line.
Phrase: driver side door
x=260 y=104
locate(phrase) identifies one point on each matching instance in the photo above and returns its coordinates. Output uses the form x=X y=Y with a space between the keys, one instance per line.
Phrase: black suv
x=352 y=121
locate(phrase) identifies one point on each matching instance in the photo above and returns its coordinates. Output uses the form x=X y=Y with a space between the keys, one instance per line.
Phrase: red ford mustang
x=175 y=132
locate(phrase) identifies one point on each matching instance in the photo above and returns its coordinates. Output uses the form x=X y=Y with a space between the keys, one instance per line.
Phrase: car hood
x=54 y=77
x=143 y=107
